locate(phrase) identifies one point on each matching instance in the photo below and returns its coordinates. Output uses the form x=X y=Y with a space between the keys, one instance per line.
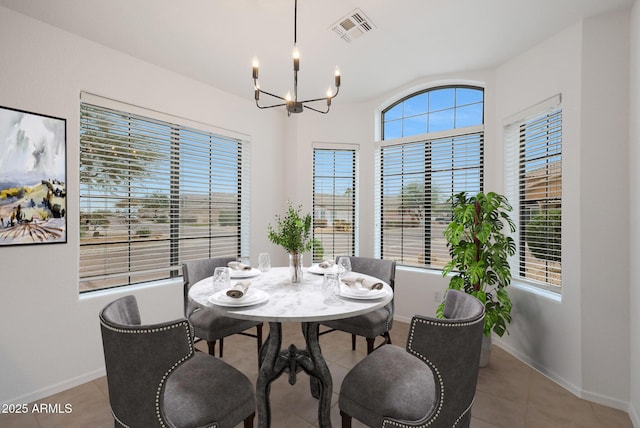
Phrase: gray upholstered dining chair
x=156 y=379
x=211 y=324
x=431 y=383
x=372 y=324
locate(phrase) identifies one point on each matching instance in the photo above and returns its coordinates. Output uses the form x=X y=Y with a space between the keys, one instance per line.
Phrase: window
x=334 y=202
x=534 y=181
x=154 y=194
x=433 y=148
x=440 y=109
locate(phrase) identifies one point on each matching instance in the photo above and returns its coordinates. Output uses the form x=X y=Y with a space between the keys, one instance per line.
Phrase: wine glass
x=330 y=287
x=221 y=279
x=344 y=265
x=264 y=262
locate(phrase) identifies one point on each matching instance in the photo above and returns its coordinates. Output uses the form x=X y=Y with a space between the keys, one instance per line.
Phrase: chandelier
x=292 y=104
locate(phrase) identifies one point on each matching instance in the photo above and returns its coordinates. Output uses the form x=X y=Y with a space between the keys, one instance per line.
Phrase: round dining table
x=273 y=298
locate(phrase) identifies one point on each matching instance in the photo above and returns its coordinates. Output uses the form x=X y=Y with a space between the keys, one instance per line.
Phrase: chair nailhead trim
x=387 y=422
x=467 y=410
x=187 y=327
x=118 y=420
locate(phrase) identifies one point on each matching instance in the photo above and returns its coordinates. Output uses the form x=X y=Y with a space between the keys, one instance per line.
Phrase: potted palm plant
x=479 y=249
x=293 y=233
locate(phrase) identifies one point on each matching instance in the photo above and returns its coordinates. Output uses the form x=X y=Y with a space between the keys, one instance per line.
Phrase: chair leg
x=370 y=343
x=248 y=422
x=387 y=338
x=259 y=336
x=346 y=420
x=221 y=346
x=212 y=347
x=353 y=342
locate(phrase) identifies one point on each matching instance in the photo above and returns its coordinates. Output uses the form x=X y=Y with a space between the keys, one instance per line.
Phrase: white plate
x=361 y=293
x=235 y=273
x=252 y=297
x=321 y=271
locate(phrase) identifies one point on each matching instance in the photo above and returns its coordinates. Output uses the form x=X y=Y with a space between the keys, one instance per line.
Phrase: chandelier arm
x=323 y=98
x=271 y=106
x=273 y=95
x=316 y=110
x=317 y=99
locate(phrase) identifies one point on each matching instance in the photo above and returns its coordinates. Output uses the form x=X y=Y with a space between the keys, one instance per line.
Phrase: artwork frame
x=33 y=178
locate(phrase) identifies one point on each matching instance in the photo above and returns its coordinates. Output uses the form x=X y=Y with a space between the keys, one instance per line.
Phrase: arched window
x=434 y=110
x=432 y=148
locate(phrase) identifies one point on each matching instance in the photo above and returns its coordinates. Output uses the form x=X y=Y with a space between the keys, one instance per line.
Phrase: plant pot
x=485 y=351
x=295 y=267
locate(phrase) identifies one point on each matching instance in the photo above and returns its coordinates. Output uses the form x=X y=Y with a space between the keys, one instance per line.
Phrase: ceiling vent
x=353 y=26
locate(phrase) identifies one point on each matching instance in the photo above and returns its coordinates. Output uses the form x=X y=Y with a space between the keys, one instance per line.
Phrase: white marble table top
x=288 y=302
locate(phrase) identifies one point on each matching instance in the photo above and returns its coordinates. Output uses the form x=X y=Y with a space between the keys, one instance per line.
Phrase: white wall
x=604 y=171
x=634 y=201
x=50 y=337
x=573 y=339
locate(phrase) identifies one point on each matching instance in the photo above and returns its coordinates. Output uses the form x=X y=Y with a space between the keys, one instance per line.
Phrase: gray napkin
x=353 y=280
x=239 y=289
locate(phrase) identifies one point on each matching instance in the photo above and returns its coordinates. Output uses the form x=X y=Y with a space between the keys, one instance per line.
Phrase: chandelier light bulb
x=296 y=59
x=288 y=96
x=255 y=67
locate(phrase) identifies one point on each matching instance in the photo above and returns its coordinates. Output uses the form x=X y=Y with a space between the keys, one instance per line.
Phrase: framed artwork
x=33 y=178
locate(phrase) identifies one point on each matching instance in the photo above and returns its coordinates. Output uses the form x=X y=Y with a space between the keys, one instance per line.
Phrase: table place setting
x=239 y=295
x=327 y=266
x=354 y=286
x=242 y=270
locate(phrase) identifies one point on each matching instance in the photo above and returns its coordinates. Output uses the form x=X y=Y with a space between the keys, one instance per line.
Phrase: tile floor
x=509 y=393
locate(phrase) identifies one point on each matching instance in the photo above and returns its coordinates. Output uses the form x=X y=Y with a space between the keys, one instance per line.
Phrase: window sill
x=128 y=289
x=519 y=285
x=531 y=289
x=424 y=270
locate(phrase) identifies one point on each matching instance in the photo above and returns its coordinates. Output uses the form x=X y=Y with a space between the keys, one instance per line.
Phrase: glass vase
x=295 y=267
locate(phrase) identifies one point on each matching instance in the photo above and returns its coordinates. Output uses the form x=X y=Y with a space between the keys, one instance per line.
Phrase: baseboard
x=569 y=386
x=56 y=388
x=605 y=400
x=635 y=418
x=402 y=319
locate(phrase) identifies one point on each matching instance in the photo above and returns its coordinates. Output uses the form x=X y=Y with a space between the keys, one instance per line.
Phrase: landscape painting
x=33 y=190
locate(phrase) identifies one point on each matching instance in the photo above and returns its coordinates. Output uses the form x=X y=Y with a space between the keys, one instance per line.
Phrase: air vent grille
x=352 y=26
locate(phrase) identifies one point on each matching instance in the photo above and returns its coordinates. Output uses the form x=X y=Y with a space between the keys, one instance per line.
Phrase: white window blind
x=534 y=183
x=334 y=202
x=415 y=180
x=154 y=194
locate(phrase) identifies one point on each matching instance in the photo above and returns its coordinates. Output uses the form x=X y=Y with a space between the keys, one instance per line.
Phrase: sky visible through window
x=433 y=111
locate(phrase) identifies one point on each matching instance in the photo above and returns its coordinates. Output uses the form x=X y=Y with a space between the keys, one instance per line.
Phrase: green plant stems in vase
x=480 y=249
x=293 y=233
x=295 y=267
